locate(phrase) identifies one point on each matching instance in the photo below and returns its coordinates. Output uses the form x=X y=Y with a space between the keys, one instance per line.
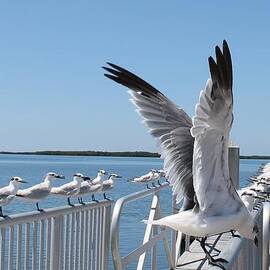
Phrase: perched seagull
x=39 y=191
x=150 y=177
x=87 y=188
x=92 y=187
x=72 y=188
x=99 y=177
x=195 y=153
x=7 y=193
x=108 y=184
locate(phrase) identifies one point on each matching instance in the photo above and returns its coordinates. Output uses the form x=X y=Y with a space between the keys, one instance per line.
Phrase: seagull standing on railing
x=92 y=187
x=99 y=177
x=70 y=189
x=87 y=188
x=7 y=193
x=195 y=153
x=147 y=178
x=109 y=184
x=40 y=191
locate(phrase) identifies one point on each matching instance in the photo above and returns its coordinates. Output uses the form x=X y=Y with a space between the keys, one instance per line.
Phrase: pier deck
x=195 y=257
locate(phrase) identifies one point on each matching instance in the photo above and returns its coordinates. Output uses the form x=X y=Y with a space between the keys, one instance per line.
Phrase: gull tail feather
x=151 y=222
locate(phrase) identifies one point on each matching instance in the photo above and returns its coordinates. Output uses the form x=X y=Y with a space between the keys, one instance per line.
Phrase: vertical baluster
x=41 y=244
x=95 y=242
x=86 y=238
x=154 y=232
x=2 y=246
x=34 y=245
x=27 y=247
x=71 y=246
x=11 y=247
x=82 y=240
x=77 y=234
x=100 y=238
x=90 y=239
x=92 y=231
x=66 y=251
x=106 y=236
x=19 y=247
x=56 y=243
x=48 y=244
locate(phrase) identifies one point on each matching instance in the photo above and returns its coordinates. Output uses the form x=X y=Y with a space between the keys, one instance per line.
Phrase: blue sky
x=53 y=94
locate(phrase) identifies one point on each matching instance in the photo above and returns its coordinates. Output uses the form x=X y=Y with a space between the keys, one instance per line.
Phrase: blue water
x=32 y=168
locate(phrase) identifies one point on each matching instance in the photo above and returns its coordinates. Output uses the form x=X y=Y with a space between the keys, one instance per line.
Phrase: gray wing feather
x=168 y=123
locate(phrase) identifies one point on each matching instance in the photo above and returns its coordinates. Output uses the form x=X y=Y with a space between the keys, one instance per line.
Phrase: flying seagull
x=70 y=189
x=7 y=193
x=195 y=152
x=39 y=191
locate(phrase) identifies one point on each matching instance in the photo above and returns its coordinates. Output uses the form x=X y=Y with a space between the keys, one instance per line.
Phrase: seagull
x=39 y=191
x=7 y=193
x=92 y=187
x=195 y=153
x=87 y=188
x=70 y=189
x=108 y=184
x=99 y=177
x=150 y=177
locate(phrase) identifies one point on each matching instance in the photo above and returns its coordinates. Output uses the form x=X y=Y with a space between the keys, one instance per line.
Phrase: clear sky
x=53 y=95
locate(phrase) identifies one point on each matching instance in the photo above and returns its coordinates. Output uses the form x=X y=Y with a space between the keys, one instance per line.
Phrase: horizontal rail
x=49 y=213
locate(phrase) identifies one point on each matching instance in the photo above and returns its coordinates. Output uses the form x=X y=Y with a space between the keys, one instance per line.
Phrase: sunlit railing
x=67 y=238
x=241 y=253
x=151 y=236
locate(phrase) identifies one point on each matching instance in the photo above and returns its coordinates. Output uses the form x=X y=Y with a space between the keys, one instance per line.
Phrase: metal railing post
x=265 y=243
x=233 y=153
x=57 y=226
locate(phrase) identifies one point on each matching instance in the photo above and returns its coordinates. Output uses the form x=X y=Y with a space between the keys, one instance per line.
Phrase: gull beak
x=118 y=176
x=85 y=178
x=106 y=173
x=60 y=176
x=22 y=181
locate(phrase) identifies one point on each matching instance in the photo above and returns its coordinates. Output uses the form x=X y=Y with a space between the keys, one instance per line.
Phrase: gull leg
x=234 y=235
x=211 y=260
x=39 y=209
x=93 y=198
x=106 y=198
x=1 y=213
x=147 y=186
x=159 y=182
x=69 y=203
x=80 y=200
x=153 y=184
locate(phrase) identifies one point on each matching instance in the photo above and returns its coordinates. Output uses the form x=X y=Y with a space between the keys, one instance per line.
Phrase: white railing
x=241 y=253
x=68 y=238
x=152 y=235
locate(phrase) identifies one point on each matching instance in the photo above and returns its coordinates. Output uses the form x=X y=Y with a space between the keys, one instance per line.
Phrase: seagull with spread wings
x=195 y=152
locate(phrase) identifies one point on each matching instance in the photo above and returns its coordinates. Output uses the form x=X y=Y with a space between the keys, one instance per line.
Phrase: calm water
x=33 y=168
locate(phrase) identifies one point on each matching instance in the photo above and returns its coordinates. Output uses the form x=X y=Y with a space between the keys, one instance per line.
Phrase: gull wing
x=65 y=189
x=36 y=192
x=168 y=123
x=211 y=127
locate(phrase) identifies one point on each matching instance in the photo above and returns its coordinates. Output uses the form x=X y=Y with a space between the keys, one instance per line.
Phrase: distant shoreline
x=108 y=154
